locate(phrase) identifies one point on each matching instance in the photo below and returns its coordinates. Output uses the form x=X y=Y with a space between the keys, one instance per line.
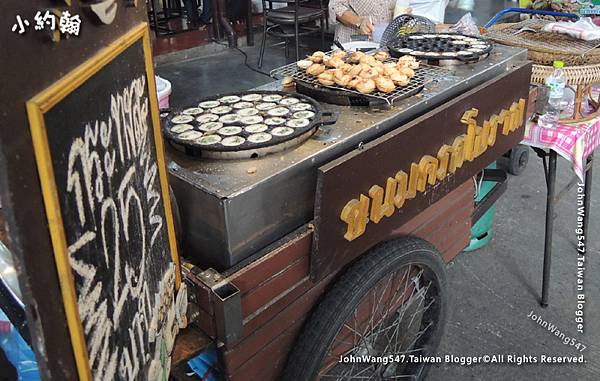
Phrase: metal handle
x=329 y=117
x=499 y=15
x=339 y=45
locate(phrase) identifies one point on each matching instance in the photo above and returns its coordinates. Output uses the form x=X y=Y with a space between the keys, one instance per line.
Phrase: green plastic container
x=481 y=232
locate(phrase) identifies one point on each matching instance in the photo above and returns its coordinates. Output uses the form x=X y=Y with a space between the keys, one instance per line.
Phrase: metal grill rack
x=423 y=75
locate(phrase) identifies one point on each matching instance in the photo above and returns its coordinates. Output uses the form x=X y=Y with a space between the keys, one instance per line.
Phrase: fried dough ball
x=326 y=79
x=399 y=79
x=355 y=57
x=334 y=62
x=389 y=71
x=382 y=56
x=407 y=72
x=317 y=57
x=408 y=64
x=338 y=54
x=343 y=80
x=369 y=73
x=380 y=70
x=366 y=86
x=346 y=68
x=406 y=58
x=402 y=64
x=288 y=82
x=408 y=61
x=355 y=71
x=353 y=83
x=315 y=69
x=304 y=64
x=369 y=60
x=338 y=73
x=384 y=84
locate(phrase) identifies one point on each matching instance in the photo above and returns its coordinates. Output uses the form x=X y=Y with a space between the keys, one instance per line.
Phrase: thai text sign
x=365 y=195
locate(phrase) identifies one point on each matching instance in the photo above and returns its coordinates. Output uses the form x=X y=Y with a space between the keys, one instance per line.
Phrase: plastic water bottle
x=556 y=83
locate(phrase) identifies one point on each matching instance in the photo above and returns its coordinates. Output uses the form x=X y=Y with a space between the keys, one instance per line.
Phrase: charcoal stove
x=234 y=209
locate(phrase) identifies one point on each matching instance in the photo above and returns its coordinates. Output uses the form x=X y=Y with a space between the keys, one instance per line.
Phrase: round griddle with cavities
x=441 y=46
x=243 y=125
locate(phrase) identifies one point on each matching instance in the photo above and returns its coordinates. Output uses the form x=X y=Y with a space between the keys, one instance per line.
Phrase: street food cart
x=290 y=258
x=336 y=245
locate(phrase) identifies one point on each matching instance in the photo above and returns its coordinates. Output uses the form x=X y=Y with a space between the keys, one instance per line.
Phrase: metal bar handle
x=503 y=12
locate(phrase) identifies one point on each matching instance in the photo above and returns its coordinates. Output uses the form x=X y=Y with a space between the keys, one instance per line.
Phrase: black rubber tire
x=340 y=301
x=518 y=159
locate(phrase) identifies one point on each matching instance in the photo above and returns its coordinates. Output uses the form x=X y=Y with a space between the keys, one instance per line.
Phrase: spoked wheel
x=385 y=312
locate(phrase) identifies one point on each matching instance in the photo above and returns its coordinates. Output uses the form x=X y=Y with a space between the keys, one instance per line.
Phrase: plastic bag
x=466 y=25
x=206 y=364
x=18 y=352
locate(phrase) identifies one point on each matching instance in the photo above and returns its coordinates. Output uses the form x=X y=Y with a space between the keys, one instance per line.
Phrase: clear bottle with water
x=557 y=101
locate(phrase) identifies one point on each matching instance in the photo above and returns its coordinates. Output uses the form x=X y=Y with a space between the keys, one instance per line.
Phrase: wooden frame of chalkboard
x=37 y=108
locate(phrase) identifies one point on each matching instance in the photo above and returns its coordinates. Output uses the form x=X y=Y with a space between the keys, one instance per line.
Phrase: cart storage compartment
x=278 y=293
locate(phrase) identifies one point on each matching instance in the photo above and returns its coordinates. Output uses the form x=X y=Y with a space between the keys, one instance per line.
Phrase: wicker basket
x=576 y=75
x=545 y=47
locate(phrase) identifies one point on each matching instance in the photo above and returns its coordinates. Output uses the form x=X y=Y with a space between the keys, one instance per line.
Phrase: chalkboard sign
x=100 y=160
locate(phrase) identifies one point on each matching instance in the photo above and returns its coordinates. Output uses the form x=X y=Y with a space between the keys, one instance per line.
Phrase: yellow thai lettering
x=401 y=189
x=457 y=157
x=382 y=202
x=355 y=214
x=427 y=172
x=443 y=156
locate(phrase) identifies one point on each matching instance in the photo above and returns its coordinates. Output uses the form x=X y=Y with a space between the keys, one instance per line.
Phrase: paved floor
x=494 y=289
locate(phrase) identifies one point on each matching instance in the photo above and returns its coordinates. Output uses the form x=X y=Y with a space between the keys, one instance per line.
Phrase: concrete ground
x=493 y=290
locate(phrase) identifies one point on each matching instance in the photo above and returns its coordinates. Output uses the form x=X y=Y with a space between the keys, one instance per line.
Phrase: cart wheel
x=392 y=302
x=519 y=156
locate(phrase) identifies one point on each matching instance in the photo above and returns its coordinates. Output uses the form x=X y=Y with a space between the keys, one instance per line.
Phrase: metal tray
x=436 y=44
x=248 y=149
x=423 y=75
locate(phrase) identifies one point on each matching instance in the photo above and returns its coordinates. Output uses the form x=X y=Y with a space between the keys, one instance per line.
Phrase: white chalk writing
x=118 y=251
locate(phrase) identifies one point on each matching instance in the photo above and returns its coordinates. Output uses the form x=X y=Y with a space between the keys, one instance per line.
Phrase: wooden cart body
x=279 y=286
x=277 y=293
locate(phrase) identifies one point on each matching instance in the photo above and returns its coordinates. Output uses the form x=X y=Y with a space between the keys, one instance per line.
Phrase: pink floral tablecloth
x=574 y=141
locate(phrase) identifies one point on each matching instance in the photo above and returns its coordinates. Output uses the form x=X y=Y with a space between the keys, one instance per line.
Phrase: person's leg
x=207 y=11
x=191 y=8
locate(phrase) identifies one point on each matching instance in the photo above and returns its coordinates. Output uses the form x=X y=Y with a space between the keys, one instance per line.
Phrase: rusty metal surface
x=189 y=343
x=354 y=174
x=232 y=209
